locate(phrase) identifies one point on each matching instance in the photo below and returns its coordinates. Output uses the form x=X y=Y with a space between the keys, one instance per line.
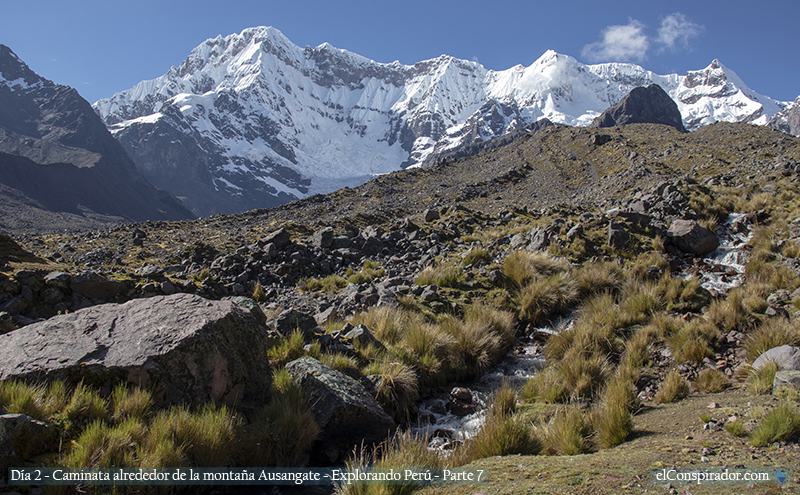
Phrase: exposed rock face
x=343 y=409
x=691 y=237
x=94 y=286
x=650 y=105
x=57 y=156
x=189 y=349
x=788 y=119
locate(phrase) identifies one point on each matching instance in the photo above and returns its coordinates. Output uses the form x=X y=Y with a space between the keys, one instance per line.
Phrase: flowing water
x=724 y=268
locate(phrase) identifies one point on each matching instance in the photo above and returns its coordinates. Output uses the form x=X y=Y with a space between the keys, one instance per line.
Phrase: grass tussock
x=565 y=433
x=759 y=381
x=282 y=432
x=477 y=256
x=287 y=349
x=612 y=418
x=711 y=381
x=777 y=426
x=397 y=389
x=694 y=341
x=773 y=332
x=441 y=275
x=673 y=389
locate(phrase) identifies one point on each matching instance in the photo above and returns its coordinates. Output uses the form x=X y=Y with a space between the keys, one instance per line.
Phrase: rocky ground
x=641 y=188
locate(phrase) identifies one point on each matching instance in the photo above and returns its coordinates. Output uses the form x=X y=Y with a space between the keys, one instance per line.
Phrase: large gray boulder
x=95 y=286
x=185 y=348
x=691 y=237
x=345 y=412
x=787 y=357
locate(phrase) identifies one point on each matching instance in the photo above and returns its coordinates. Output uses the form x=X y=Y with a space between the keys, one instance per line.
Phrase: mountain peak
x=15 y=72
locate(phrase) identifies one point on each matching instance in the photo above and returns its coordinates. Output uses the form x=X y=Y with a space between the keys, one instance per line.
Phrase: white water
x=727 y=262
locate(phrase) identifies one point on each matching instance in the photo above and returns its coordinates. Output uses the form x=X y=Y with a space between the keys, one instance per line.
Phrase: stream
x=718 y=272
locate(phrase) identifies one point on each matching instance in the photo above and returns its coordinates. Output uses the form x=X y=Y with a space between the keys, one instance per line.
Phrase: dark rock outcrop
x=650 y=105
x=344 y=411
x=57 y=156
x=691 y=237
x=186 y=348
x=22 y=437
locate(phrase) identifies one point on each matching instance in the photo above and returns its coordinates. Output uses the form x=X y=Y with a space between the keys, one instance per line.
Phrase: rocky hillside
x=670 y=259
x=59 y=165
x=252 y=120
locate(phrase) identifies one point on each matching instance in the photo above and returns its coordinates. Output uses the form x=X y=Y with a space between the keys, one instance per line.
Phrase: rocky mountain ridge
x=251 y=120
x=59 y=165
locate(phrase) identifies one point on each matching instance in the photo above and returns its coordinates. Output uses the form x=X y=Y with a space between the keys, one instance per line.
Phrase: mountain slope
x=252 y=120
x=56 y=156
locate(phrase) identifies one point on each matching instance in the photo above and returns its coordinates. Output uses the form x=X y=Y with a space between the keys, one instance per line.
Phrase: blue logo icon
x=780 y=476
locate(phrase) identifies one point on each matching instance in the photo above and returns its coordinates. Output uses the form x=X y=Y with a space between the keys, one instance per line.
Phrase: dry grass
x=773 y=332
x=565 y=433
x=759 y=381
x=673 y=389
x=711 y=381
x=777 y=426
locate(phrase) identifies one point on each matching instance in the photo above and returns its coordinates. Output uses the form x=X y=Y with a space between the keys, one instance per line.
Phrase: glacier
x=252 y=120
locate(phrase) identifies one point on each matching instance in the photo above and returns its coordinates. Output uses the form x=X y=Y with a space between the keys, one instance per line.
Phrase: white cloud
x=676 y=31
x=619 y=43
x=630 y=43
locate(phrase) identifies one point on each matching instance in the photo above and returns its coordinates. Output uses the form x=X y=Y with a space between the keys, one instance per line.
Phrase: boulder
x=430 y=215
x=323 y=238
x=787 y=357
x=290 y=320
x=363 y=336
x=345 y=412
x=95 y=286
x=185 y=348
x=22 y=438
x=786 y=378
x=643 y=105
x=691 y=237
x=617 y=235
x=280 y=238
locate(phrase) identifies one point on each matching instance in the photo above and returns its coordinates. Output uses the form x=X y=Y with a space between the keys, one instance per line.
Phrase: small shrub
x=398 y=390
x=22 y=398
x=705 y=418
x=503 y=435
x=545 y=386
x=442 y=275
x=595 y=278
x=583 y=376
x=673 y=389
x=759 y=381
x=258 y=293
x=778 y=425
x=522 y=267
x=85 y=406
x=693 y=341
x=711 y=381
x=504 y=401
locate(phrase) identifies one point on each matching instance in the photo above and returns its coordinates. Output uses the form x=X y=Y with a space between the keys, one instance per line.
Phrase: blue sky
x=101 y=47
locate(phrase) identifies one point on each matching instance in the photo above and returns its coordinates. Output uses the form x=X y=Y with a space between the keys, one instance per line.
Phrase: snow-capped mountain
x=252 y=120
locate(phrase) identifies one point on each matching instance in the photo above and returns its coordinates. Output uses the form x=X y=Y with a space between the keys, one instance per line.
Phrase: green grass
x=777 y=426
x=476 y=256
x=773 y=332
x=759 y=381
x=565 y=433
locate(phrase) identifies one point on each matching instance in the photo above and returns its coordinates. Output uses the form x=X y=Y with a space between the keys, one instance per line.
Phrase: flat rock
x=95 y=286
x=186 y=348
